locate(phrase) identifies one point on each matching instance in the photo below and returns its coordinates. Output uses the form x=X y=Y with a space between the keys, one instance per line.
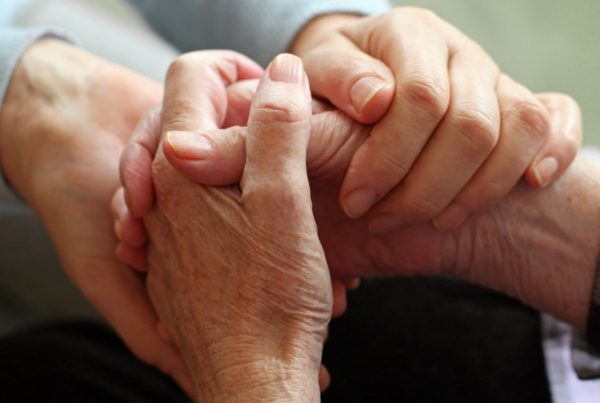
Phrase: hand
x=65 y=119
x=446 y=121
x=238 y=274
x=502 y=249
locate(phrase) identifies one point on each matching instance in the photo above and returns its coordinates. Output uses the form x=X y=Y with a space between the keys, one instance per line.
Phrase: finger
x=128 y=229
x=196 y=88
x=339 y=298
x=213 y=158
x=525 y=127
x=136 y=160
x=121 y=298
x=352 y=284
x=560 y=149
x=135 y=166
x=355 y=82
x=134 y=257
x=278 y=132
x=456 y=150
x=239 y=96
x=419 y=62
x=218 y=157
x=324 y=378
x=164 y=333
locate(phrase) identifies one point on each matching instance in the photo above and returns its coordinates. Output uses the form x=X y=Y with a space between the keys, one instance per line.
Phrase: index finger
x=196 y=88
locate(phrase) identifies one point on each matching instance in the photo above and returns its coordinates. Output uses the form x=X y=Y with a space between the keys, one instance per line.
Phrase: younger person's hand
x=451 y=135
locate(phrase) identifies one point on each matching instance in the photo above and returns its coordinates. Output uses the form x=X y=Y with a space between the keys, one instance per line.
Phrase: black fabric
x=592 y=330
x=435 y=340
x=77 y=362
x=416 y=340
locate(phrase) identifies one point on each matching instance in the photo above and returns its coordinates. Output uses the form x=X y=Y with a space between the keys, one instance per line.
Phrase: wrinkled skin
x=506 y=249
x=238 y=274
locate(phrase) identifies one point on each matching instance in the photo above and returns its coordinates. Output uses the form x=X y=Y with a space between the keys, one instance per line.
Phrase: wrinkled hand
x=446 y=121
x=238 y=273
x=352 y=250
x=63 y=125
x=504 y=249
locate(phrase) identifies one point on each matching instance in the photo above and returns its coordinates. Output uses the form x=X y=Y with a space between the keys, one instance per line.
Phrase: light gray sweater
x=259 y=28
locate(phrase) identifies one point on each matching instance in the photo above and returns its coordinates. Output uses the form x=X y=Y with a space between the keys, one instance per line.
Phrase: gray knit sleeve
x=13 y=42
x=259 y=28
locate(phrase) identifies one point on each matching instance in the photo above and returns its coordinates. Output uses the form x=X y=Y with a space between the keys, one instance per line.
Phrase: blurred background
x=545 y=45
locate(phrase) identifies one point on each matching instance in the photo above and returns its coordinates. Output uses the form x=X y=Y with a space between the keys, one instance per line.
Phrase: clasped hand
x=199 y=235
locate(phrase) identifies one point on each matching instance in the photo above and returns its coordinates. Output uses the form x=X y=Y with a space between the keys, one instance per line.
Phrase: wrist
x=256 y=370
x=260 y=379
x=316 y=30
x=48 y=79
x=544 y=245
x=268 y=362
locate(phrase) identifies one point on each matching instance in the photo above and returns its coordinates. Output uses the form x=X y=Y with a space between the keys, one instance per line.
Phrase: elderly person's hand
x=537 y=245
x=352 y=250
x=238 y=273
x=446 y=121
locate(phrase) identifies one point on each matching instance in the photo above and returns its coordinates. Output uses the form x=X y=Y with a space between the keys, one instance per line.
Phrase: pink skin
x=446 y=121
x=329 y=154
x=421 y=249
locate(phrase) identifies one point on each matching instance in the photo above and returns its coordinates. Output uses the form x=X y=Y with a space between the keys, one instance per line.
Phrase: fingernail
x=119 y=230
x=451 y=218
x=286 y=68
x=364 y=90
x=358 y=202
x=545 y=170
x=190 y=146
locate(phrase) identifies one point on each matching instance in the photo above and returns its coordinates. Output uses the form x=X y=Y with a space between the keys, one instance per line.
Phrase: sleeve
x=13 y=42
x=259 y=28
x=585 y=349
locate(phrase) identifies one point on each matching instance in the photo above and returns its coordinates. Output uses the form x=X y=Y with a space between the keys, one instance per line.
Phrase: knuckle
x=423 y=14
x=390 y=160
x=570 y=147
x=427 y=94
x=283 y=111
x=533 y=117
x=420 y=207
x=178 y=65
x=568 y=101
x=478 y=129
x=277 y=194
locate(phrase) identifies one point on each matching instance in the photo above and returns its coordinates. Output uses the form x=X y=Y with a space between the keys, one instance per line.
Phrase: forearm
x=548 y=248
x=59 y=98
x=33 y=100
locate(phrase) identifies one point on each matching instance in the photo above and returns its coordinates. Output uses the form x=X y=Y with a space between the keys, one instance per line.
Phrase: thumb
x=275 y=177
x=217 y=157
x=355 y=82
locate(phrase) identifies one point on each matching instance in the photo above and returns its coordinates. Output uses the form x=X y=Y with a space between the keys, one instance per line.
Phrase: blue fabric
x=259 y=28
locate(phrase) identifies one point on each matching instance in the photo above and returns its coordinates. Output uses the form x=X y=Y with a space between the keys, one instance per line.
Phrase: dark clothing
x=410 y=340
